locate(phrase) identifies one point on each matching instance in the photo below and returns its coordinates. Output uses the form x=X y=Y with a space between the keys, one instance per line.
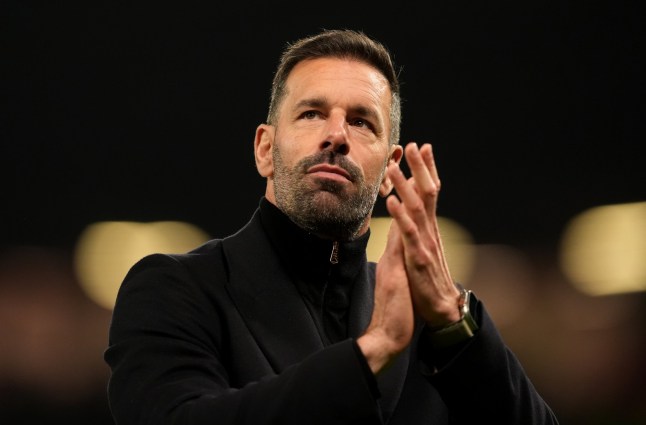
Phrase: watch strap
x=459 y=331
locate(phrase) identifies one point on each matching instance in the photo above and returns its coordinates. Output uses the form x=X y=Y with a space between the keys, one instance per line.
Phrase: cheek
x=291 y=143
x=294 y=149
x=376 y=164
x=373 y=172
x=288 y=155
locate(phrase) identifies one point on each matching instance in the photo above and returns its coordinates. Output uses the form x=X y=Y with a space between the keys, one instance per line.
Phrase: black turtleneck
x=324 y=271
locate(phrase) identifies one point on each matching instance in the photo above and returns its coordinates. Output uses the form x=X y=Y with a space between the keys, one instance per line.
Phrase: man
x=285 y=322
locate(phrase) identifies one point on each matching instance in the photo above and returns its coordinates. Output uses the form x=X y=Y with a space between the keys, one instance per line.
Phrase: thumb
x=394 y=247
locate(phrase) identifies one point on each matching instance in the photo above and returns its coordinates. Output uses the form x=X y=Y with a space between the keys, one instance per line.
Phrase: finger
x=426 y=151
x=407 y=192
x=419 y=169
x=425 y=174
x=407 y=228
x=393 y=240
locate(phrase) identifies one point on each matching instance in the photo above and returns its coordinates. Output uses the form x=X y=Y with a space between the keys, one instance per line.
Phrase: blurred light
x=378 y=236
x=503 y=277
x=458 y=245
x=603 y=250
x=105 y=252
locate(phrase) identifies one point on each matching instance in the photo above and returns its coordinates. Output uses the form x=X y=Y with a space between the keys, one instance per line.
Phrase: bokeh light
x=603 y=249
x=456 y=239
x=105 y=252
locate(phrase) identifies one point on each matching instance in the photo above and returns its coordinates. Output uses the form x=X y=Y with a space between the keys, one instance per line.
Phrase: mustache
x=332 y=158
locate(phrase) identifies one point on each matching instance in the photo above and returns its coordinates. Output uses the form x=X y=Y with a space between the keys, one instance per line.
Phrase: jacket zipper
x=334 y=256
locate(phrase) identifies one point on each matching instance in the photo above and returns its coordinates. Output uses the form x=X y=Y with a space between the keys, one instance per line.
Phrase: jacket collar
x=276 y=314
x=307 y=256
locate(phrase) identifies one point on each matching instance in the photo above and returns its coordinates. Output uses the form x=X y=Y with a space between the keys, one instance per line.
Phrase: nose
x=336 y=135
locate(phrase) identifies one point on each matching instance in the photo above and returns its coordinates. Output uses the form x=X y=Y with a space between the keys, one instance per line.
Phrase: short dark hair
x=345 y=43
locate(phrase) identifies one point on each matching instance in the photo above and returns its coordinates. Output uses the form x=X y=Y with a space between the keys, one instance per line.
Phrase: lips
x=329 y=169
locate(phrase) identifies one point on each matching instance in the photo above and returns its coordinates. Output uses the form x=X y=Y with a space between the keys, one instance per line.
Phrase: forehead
x=339 y=78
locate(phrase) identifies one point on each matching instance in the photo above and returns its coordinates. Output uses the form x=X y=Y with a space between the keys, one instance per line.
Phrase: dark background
x=147 y=111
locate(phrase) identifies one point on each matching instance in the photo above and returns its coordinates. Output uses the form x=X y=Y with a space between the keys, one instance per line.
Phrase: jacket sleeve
x=168 y=368
x=482 y=381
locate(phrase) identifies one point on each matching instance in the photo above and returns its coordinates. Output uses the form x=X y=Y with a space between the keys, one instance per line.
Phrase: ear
x=396 y=154
x=263 y=146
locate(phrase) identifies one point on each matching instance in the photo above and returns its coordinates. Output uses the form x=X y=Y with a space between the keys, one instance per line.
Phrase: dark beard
x=327 y=210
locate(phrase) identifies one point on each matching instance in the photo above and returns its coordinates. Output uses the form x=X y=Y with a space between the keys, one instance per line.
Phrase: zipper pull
x=334 y=256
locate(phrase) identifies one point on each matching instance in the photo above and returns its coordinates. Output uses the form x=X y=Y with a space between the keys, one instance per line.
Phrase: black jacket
x=221 y=335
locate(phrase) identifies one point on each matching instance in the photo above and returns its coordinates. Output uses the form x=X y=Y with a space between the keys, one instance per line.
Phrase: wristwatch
x=458 y=331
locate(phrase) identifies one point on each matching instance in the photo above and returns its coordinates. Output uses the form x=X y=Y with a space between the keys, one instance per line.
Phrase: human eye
x=310 y=115
x=361 y=122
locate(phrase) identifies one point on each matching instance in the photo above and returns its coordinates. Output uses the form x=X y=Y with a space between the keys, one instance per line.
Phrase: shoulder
x=171 y=272
x=203 y=254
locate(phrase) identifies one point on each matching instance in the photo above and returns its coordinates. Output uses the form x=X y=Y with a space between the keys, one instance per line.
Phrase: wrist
x=458 y=331
x=377 y=350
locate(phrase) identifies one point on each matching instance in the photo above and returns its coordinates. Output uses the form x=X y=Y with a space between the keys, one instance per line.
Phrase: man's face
x=330 y=146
